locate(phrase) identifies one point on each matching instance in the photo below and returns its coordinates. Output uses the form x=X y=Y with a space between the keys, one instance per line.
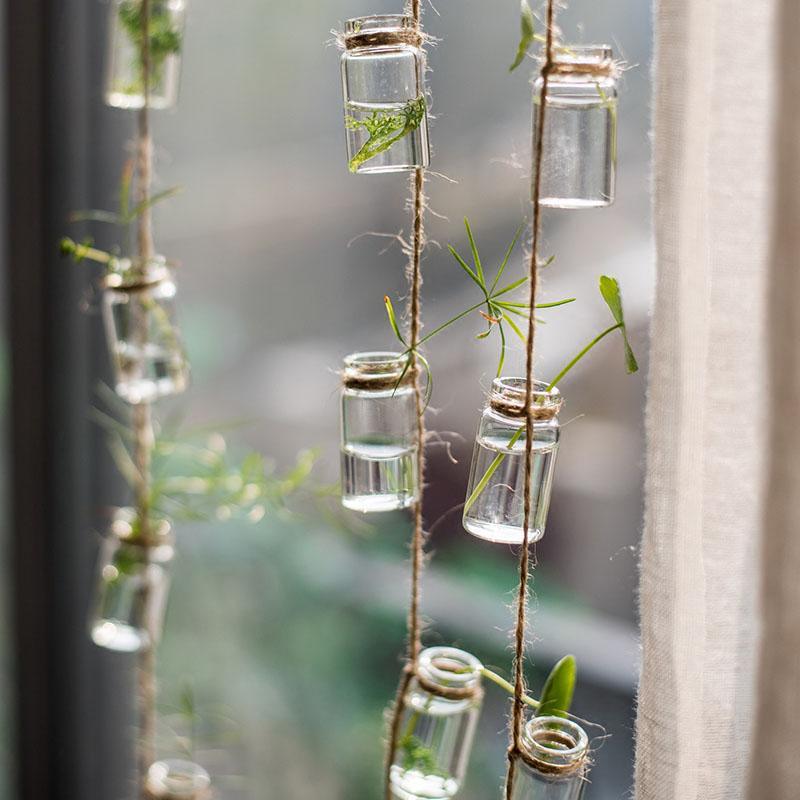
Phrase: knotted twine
x=516 y=749
x=417 y=541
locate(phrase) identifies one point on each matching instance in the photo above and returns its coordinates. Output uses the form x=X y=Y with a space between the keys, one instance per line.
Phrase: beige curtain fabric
x=775 y=767
x=723 y=409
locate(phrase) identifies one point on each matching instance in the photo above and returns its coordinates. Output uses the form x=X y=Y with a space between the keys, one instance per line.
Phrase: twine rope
x=414 y=312
x=143 y=436
x=515 y=748
x=539 y=413
x=383 y=38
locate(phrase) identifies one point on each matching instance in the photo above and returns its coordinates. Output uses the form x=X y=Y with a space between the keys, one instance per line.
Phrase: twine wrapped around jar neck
x=386 y=38
x=508 y=398
x=570 y=754
x=462 y=671
x=137 y=278
x=607 y=68
x=376 y=372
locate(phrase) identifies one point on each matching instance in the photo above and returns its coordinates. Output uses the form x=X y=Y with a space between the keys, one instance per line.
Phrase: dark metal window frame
x=72 y=710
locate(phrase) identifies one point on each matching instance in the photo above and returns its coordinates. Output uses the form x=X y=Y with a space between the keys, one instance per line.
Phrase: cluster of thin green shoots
x=164 y=38
x=194 y=477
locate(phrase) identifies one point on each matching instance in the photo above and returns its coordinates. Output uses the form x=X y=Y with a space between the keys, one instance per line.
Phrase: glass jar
x=379 y=433
x=579 y=157
x=383 y=82
x=176 y=779
x=441 y=710
x=124 y=62
x=145 y=342
x=553 y=764
x=494 y=509
x=132 y=584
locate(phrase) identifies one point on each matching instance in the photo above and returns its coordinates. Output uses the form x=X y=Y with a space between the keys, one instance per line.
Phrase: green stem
x=498 y=460
x=504 y=684
x=581 y=354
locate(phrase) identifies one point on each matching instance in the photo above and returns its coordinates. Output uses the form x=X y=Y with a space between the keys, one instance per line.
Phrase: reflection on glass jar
x=176 y=779
x=145 y=342
x=125 y=59
x=579 y=157
x=132 y=584
x=379 y=433
x=554 y=763
x=385 y=109
x=494 y=508
x=441 y=711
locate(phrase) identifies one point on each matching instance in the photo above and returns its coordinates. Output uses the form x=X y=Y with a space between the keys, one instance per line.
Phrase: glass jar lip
x=434 y=663
x=128 y=273
x=177 y=778
x=555 y=740
x=123 y=526
x=375 y=363
x=375 y=23
x=513 y=389
x=583 y=54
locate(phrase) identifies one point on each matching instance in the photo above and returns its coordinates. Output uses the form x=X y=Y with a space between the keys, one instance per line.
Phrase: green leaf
x=463 y=264
x=393 y=319
x=507 y=256
x=527 y=27
x=96 y=215
x=151 y=201
x=556 y=697
x=609 y=289
x=475 y=255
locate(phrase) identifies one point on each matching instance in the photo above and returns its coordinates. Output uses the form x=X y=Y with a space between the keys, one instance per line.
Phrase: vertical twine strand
x=524 y=560
x=143 y=437
x=418 y=537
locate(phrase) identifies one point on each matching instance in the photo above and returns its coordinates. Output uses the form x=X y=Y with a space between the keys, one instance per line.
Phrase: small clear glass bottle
x=125 y=59
x=494 y=509
x=385 y=106
x=379 y=433
x=442 y=706
x=145 y=342
x=554 y=762
x=579 y=157
x=176 y=779
x=132 y=584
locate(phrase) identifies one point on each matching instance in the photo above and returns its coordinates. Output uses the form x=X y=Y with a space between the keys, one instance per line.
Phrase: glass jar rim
x=375 y=363
x=123 y=527
x=177 y=778
x=372 y=23
x=583 y=54
x=555 y=740
x=434 y=666
x=132 y=273
x=513 y=388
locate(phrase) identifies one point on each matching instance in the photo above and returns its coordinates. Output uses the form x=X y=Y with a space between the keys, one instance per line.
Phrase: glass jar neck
x=592 y=62
x=554 y=745
x=129 y=274
x=449 y=669
x=177 y=780
x=508 y=396
x=376 y=370
x=381 y=30
x=126 y=528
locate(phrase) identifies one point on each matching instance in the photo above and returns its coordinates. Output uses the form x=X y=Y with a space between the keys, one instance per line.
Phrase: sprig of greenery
x=384 y=129
x=610 y=291
x=496 y=307
x=528 y=35
x=164 y=39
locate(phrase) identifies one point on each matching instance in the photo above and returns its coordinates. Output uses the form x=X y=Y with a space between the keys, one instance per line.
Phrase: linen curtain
x=719 y=700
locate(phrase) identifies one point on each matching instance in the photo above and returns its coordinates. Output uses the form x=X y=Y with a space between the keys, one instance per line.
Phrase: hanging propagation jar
x=125 y=72
x=379 y=432
x=554 y=763
x=579 y=155
x=385 y=107
x=132 y=584
x=176 y=779
x=494 y=508
x=441 y=710
x=145 y=343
